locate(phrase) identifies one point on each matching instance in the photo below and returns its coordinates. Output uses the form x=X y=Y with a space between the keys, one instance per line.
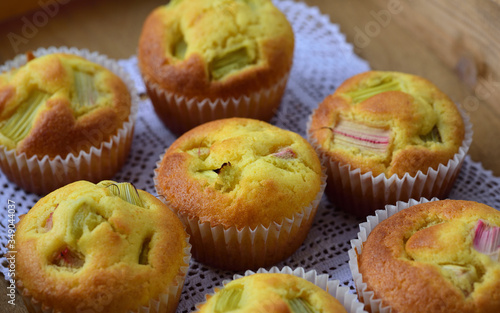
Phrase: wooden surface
x=112 y=27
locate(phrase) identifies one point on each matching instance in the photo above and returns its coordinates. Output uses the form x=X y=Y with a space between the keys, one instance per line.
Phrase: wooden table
x=112 y=27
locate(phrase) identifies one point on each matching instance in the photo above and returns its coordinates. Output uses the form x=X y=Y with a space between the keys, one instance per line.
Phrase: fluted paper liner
x=180 y=113
x=349 y=301
x=372 y=304
x=246 y=248
x=166 y=302
x=361 y=194
x=41 y=174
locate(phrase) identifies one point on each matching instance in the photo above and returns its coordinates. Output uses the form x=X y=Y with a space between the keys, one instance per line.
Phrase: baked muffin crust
x=388 y=122
x=60 y=104
x=216 y=48
x=275 y=293
x=424 y=259
x=239 y=172
x=104 y=248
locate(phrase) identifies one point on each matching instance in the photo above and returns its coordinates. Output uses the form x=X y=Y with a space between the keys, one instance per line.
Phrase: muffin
x=431 y=257
x=281 y=291
x=203 y=60
x=388 y=136
x=64 y=118
x=247 y=191
x=100 y=248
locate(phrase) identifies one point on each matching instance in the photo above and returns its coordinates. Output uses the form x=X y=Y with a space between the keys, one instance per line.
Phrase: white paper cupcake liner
x=166 y=302
x=372 y=304
x=349 y=301
x=180 y=113
x=246 y=248
x=362 y=193
x=41 y=174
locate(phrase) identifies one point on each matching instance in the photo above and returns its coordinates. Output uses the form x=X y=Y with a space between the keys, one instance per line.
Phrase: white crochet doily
x=322 y=61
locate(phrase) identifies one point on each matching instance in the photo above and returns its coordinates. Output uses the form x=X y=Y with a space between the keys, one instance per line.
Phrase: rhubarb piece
x=48 y=222
x=18 y=126
x=85 y=92
x=285 y=153
x=69 y=258
x=180 y=49
x=127 y=192
x=364 y=137
x=300 y=305
x=372 y=89
x=144 y=254
x=487 y=240
x=85 y=219
x=203 y=152
x=231 y=61
x=433 y=135
x=461 y=276
x=229 y=300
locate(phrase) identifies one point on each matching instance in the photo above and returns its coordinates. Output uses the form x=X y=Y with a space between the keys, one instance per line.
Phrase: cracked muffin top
x=440 y=256
x=273 y=293
x=105 y=247
x=59 y=104
x=388 y=123
x=239 y=172
x=216 y=48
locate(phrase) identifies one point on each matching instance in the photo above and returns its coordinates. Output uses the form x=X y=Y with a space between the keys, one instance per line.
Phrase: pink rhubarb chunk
x=364 y=137
x=48 y=223
x=285 y=153
x=487 y=239
x=69 y=258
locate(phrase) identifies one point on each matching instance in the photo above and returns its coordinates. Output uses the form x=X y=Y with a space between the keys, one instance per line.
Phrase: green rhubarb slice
x=433 y=135
x=229 y=300
x=18 y=126
x=180 y=49
x=372 y=89
x=300 y=305
x=127 y=192
x=86 y=93
x=463 y=277
x=144 y=254
x=85 y=219
x=229 y=62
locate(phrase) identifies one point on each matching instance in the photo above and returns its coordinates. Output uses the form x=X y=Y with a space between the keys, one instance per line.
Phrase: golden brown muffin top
x=432 y=258
x=106 y=247
x=239 y=172
x=273 y=293
x=388 y=122
x=59 y=104
x=216 y=48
